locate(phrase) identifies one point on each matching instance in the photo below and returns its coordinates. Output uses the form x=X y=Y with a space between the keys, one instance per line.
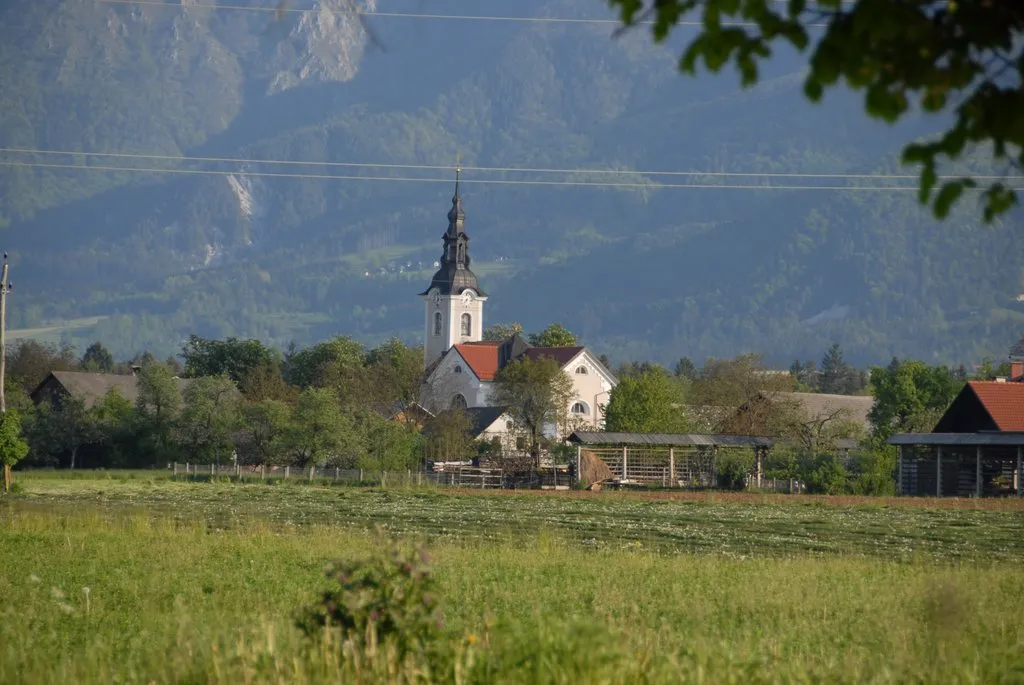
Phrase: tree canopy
x=537 y=394
x=13 y=447
x=910 y=396
x=232 y=357
x=962 y=57
x=555 y=335
x=502 y=331
x=650 y=402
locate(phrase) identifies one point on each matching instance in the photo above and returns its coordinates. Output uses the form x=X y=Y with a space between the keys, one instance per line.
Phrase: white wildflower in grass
x=56 y=593
x=34 y=579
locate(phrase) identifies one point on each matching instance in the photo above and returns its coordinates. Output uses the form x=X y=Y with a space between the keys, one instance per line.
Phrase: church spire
x=456 y=217
x=454 y=276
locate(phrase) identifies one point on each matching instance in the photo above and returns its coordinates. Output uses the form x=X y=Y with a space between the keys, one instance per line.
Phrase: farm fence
x=458 y=477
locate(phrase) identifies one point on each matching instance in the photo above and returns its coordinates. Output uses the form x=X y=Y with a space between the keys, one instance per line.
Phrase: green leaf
x=999 y=200
x=915 y=152
x=813 y=90
x=949 y=194
x=928 y=179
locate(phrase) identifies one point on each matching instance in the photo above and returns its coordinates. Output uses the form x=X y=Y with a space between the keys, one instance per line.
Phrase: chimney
x=1016 y=369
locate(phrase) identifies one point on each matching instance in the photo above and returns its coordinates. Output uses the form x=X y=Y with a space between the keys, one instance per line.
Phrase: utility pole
x=5 y=288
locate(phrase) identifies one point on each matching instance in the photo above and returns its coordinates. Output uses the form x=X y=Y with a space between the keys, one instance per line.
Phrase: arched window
x=581 y=370
x=437 y=323
x=458 y=369
x=458 y=402
x=580 y=409
x=509 y=426
x=467 y=325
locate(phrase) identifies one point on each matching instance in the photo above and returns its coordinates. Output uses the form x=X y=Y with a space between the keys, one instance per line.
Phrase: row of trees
x=334 y=402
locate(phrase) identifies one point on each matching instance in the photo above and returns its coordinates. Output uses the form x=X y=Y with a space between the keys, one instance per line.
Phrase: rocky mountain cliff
x=140 y=257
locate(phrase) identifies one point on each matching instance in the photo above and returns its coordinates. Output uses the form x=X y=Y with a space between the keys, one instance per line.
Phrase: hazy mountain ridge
x=657 y=273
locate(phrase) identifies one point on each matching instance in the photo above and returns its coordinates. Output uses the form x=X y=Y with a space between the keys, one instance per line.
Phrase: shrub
x=388 y=598
x=732 y=470
x=825 y=475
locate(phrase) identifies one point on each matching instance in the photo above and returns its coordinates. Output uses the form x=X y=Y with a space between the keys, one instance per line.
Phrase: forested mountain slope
x=639 y=272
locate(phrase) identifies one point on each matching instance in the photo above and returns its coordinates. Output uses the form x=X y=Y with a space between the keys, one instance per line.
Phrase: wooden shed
x=976 y=448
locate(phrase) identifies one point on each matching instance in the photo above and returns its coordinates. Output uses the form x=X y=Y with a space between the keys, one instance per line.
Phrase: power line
x=435 y=167
x=400 y=179
x=415 y=15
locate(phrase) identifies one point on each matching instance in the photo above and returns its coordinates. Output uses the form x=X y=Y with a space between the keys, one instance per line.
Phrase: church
x=460 y=366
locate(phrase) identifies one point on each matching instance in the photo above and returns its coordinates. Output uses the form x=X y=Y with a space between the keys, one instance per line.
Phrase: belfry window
x=467 y=325
x=459 y=401
x=437 y=323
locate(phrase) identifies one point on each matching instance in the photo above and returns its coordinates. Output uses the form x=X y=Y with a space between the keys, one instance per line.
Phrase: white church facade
x=460 y=367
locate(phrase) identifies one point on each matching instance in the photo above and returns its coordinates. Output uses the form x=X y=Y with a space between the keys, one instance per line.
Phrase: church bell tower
x=453 y=301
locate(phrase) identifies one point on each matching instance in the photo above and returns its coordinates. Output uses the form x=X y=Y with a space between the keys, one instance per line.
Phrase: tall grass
x=119 y=595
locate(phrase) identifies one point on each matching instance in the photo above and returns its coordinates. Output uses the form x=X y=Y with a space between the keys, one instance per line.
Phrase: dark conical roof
x=454 y=276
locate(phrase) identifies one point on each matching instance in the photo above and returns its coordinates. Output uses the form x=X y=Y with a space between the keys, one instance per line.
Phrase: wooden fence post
x=263 y=472
x=625 y=462
x=287 y=471
x=759 y=458
x=213 y=470
x=176 y=469
x=360 y=475
x=899 y=470
x=337 y=473
x=1020 y=471
x=186 y=468
x=671 y=467
x=977 y=472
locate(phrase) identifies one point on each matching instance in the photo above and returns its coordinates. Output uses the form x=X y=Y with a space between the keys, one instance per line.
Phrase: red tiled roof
x=1004 y=402
x=483 y=359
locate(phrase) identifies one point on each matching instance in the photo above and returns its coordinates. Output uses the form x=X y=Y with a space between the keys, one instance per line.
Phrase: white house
x=460 y=366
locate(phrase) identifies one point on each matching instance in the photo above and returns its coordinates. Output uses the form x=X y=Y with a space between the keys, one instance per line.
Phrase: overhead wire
x=486 y=181
x=413 y=15
x=481 y=169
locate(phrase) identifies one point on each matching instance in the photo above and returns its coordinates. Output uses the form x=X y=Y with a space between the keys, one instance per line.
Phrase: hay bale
x=593 y=469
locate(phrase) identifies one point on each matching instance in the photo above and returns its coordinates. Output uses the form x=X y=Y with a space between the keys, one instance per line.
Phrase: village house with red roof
x=460 y=367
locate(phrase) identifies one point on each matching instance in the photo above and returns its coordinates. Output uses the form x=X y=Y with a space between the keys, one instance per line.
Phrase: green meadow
x=133 y=578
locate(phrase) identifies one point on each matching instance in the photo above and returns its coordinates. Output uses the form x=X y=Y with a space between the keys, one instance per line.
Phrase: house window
x=467 y=325
x=458 y=402
x=580 y=409
x=458 y=369
x=509 y=426
x=437 y=323
x=581 y=370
